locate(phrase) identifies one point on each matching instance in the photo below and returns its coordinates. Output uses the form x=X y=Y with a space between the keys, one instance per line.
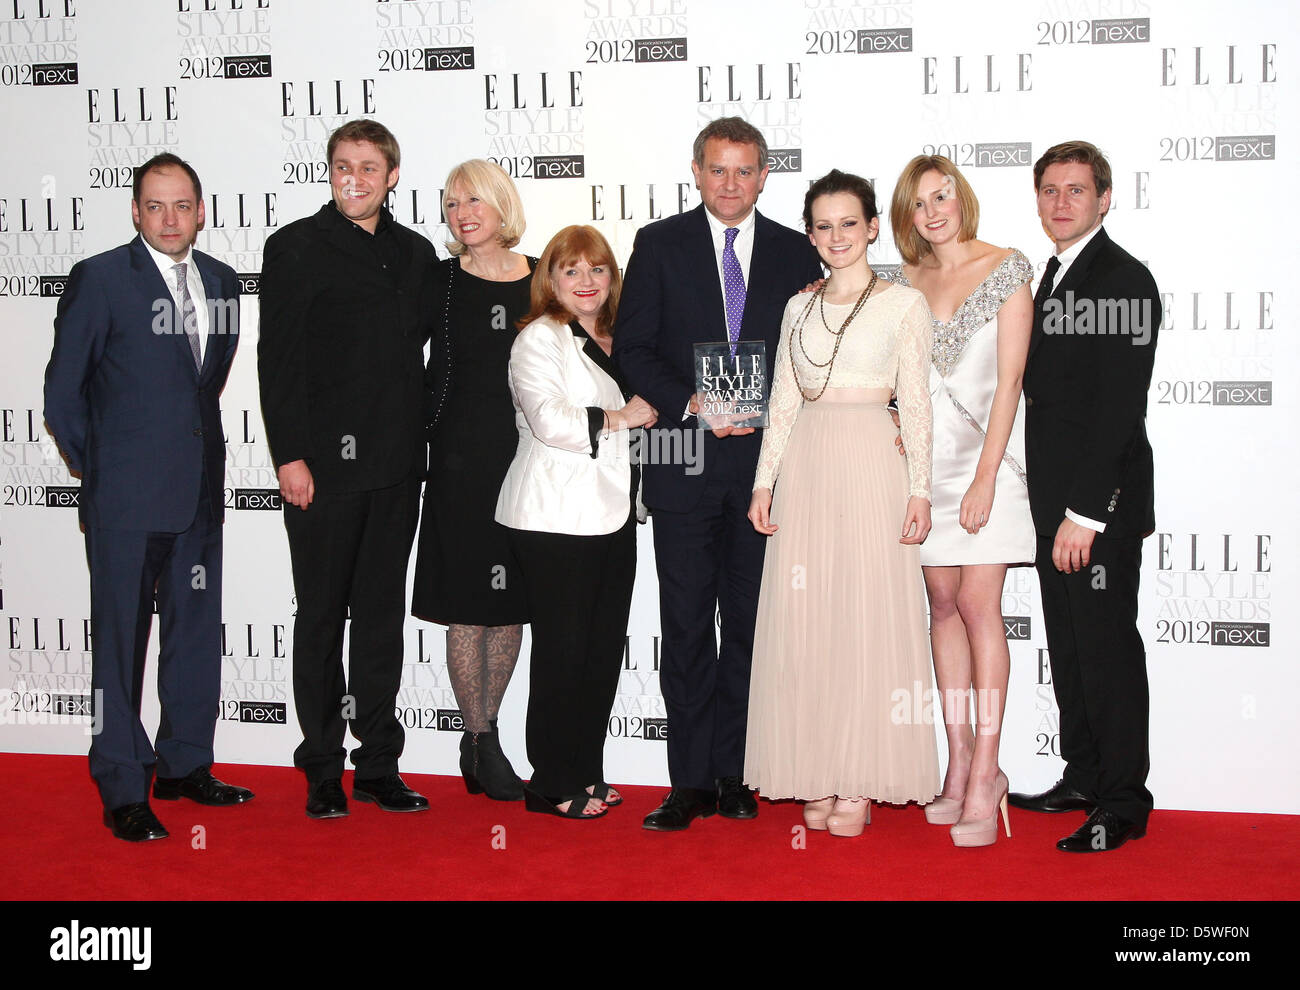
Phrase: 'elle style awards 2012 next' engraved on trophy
x=731 y=380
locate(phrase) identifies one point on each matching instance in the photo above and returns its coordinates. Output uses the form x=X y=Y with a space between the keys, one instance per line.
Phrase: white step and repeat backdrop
x=592 y=105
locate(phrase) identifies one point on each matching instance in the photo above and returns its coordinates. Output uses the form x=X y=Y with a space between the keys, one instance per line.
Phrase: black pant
x=709 y=562
x=579 y=594
x=1099 y=673
x=349 y=554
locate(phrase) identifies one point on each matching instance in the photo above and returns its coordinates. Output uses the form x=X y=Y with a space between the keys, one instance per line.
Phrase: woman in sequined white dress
x=981 y=504
x=839 y=687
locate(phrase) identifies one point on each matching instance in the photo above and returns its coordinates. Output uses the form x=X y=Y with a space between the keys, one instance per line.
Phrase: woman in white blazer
x=569 y=500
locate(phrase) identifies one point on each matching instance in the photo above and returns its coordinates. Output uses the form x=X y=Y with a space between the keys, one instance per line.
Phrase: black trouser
x=349 y=554
x=1099 y=673
x=710 y=562
x=580 y=592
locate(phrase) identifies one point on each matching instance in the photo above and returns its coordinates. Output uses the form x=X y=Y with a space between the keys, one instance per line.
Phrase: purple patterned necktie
x=733 y=287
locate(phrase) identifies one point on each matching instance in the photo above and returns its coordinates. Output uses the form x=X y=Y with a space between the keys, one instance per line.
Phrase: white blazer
x=554 y=484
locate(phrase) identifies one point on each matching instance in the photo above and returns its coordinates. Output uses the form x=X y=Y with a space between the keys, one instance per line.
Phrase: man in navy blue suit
x=143 y=341
x=721 y=271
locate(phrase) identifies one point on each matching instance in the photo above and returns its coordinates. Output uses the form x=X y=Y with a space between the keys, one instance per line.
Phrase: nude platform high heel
x=850 y=816
x=816 y=812
x=970 y=832
x=943 y=811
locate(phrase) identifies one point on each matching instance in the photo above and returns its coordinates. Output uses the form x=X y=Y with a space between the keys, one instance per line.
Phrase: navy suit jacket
x=672 y=300
x=1086 y=383
x=123 y=399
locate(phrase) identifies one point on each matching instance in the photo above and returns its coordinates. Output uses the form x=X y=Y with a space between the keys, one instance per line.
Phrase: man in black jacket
x=1096 y=316
x=345 y=314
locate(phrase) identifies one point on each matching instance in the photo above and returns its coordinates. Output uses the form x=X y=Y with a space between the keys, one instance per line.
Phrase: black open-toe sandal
x=550 y=805
x=602 y=792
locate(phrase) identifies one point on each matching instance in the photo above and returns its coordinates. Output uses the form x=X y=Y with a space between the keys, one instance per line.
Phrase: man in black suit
x=143 y=340
x=345 y=316
x=1097 y=313
x=719 y=272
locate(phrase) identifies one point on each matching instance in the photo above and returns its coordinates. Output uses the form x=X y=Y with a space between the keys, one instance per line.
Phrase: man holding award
x=719 y=274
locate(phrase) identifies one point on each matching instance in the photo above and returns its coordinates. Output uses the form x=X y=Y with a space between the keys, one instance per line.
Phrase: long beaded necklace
x=819 y=298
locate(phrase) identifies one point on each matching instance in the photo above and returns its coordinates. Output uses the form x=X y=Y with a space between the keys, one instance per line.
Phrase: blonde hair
x=902 y=208
x=490 y=183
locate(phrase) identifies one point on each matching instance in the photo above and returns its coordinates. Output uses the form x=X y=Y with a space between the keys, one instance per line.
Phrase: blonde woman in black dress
x=465 y=574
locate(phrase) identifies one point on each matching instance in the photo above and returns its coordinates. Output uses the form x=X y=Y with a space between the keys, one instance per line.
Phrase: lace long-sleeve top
x=886 y=346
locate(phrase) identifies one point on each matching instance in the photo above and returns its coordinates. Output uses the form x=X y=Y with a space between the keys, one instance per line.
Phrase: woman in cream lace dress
x=839 y=696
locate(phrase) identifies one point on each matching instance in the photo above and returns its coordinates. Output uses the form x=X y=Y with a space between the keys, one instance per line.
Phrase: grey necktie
x=189 y=318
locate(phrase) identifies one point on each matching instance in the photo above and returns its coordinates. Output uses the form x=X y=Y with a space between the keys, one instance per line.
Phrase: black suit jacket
x=340 y=356
x=672 y=300
x=1086 y=382
x=132 y=413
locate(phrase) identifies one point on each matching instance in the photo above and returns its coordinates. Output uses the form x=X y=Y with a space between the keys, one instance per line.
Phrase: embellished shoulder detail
x=978 y=309
x=891 y=273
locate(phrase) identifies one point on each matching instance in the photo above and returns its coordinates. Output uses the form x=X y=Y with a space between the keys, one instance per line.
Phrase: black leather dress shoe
x=389 y=793
x=682 y=806
x=325 y=799
x=1104 y=830
x=134 y=822
x=735 y=800
x=199 y=785
x=1059 y=797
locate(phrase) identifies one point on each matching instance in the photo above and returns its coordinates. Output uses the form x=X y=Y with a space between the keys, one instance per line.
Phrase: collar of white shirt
x=166 y=264
x=1068 y=256
x=193 y=278
x=718 y=229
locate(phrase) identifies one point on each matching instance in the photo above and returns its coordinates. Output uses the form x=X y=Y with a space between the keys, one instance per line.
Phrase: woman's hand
x=916 y=524
x=636 y=413
x=760 y=504
x=812 y=286
x=977 y=505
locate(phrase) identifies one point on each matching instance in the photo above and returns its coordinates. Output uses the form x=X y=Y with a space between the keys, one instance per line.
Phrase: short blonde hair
x=490 y=183
x=911 y=245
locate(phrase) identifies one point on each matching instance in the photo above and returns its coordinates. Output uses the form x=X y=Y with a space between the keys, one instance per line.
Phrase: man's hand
x=296 y=484
x=1072 y=548
x=721 y=431
x=760 y=504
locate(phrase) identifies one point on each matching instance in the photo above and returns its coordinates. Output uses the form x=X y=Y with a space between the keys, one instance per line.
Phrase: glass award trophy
x=731 y=381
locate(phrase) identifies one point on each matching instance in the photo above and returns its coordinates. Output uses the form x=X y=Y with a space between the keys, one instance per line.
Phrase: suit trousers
x=709 y=562
x=127 y=569
x=350 y=552
x=579 y=595
x=1099 y=674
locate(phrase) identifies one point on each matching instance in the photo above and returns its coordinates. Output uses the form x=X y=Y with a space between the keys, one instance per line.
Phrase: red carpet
x=472 y=848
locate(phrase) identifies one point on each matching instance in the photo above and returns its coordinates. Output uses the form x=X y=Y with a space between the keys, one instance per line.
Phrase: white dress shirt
x=195 y=282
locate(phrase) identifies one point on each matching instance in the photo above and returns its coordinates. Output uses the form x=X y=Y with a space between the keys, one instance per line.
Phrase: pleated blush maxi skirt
x=840 y=695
